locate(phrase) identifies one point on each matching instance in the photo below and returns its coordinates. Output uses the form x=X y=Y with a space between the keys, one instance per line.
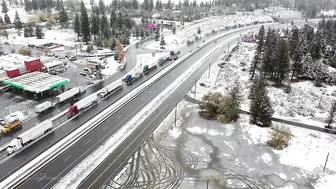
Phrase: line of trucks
x=76 y=108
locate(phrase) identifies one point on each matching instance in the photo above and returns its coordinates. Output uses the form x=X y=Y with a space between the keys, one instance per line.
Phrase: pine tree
x=294 y=41
x=42 y=5
x=113 y=19
x=151 y=5
x=120 y=20
x=260 y=108
x=77 y=27
x=1 y=21
x=101 y=6
x=258 y=55
x=297 y=63
x=135 y=4
x=35 y=5
x=38 y=32
x=199 y=30
x=157 y=5
x=7 y=20
x=174 y=29
x=283 y=64
x=4 y=7
x=145 y=5
x=104 y=27
x=58 y=5
x=169 y=5
x=63 y=17
x=115 y=4
x=157 y=34
x=331 y=115
x=85 y=24
x=28 y=5
x=17 y=21
x=95 y=22
x=162 y=42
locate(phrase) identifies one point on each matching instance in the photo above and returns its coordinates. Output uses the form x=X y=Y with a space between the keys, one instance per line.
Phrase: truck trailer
x=44 y=107
x=70 y=93
x=136 y=74
x=30 y=135
x=111 y=88
x=82 y=105
x=148 y=68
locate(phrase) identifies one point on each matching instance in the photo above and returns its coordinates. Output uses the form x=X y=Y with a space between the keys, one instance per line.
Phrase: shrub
x=25 y=51
x=288 y=88
x=280 y=138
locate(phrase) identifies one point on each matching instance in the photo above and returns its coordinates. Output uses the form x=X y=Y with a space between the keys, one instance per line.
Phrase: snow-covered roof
x=37 y=82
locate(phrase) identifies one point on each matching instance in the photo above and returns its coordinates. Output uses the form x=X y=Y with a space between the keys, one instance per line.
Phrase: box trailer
x=44 y=107
x=82 y=104
x=70 y=93
x=30 y=135
x=111 y=88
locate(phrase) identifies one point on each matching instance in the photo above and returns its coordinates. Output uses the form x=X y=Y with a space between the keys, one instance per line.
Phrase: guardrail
x=29 y=169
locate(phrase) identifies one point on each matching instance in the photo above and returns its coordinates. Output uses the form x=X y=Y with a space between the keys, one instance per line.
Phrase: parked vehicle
x=2 y=122
x=82 y=105
x=72 y=58
x=70 y=93
x=111 y=88
x=133 y=76
x=10 y=126
x=44 y=107
x=30 y=135
x=148 y=68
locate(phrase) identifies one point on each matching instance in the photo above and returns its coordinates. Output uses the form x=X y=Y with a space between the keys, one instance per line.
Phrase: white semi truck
x=82 y=104
x=44 y=107
x=111 y=88
x=30 y=135
x=70 y=93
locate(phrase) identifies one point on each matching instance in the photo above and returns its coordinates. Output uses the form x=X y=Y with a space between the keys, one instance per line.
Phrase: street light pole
x=325 y=164
x=209 y=71
x=195 y=89
x=207 y=184
x=175 y=116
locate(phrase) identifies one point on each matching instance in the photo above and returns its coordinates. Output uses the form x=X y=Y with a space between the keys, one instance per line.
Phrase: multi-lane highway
x=47 y=176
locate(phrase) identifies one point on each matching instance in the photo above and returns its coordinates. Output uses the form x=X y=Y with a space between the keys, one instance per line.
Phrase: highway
x=131 y=53
x=47 y=176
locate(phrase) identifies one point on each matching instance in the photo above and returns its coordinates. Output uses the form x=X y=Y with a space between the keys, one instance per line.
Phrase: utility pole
x=207 y=185
x=209 y=71
x=325 y=164
x=195 y=89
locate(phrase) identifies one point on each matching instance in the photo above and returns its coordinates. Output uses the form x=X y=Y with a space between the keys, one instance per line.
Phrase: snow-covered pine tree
x=259 y=52
x=297 y=63
x=101 y=6
x=17 y=21
x=7 y=20
x=331 y=114
x=162 y=41
x=174 y=29
x=85 y=24
x=1 y=21
x=261 y=107
x=77 y=27
x=63 y=17
x=113 y=19
x=95 y=22
x=104 y=27
x=39 y=32
x=283 y=63
x=4 y=7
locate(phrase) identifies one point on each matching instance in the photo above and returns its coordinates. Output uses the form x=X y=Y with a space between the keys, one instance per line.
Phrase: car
x=61 y=57
x=2 y=122
x=83 y=73
x=72 y=58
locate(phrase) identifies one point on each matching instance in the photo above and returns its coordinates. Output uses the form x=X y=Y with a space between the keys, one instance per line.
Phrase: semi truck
x=163 y=60
x=174 y=55
x=70 y=93
x=148 y=68
x=9 y=126
x=44 y=107
x=81 y=105
x=30 y=135
x=111 y=88
x=136 y=74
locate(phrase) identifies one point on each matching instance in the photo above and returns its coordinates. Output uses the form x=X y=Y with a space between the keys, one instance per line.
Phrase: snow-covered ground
x=327 y=13
x=217 y=23
x=11 y=13
x=280 y=12
x=305 y=103
x=110 y=66
x=61 y=36
x=240 y=148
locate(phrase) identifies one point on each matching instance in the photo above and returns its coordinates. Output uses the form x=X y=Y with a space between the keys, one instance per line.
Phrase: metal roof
x=36 y=82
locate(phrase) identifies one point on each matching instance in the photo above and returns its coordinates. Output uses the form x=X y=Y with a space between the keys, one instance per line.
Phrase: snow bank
x=110 y=66
x=73 y=178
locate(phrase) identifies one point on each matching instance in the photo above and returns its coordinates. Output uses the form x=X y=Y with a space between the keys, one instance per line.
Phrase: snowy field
x=217 y=23
x=236 y=155
x=305 y=103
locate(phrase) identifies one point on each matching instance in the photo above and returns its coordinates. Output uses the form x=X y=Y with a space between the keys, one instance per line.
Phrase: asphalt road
x=131 y=63
x=47 y=176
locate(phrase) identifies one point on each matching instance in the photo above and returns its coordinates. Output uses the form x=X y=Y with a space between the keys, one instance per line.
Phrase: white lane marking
x=141 y=98
x=88 y=141
x=119 y=116
x=131 y=107
x=105 y=128
x=67 y=158
x=42 y=178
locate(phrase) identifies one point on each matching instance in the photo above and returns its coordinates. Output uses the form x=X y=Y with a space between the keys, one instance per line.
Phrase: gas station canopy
x=36 y=82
